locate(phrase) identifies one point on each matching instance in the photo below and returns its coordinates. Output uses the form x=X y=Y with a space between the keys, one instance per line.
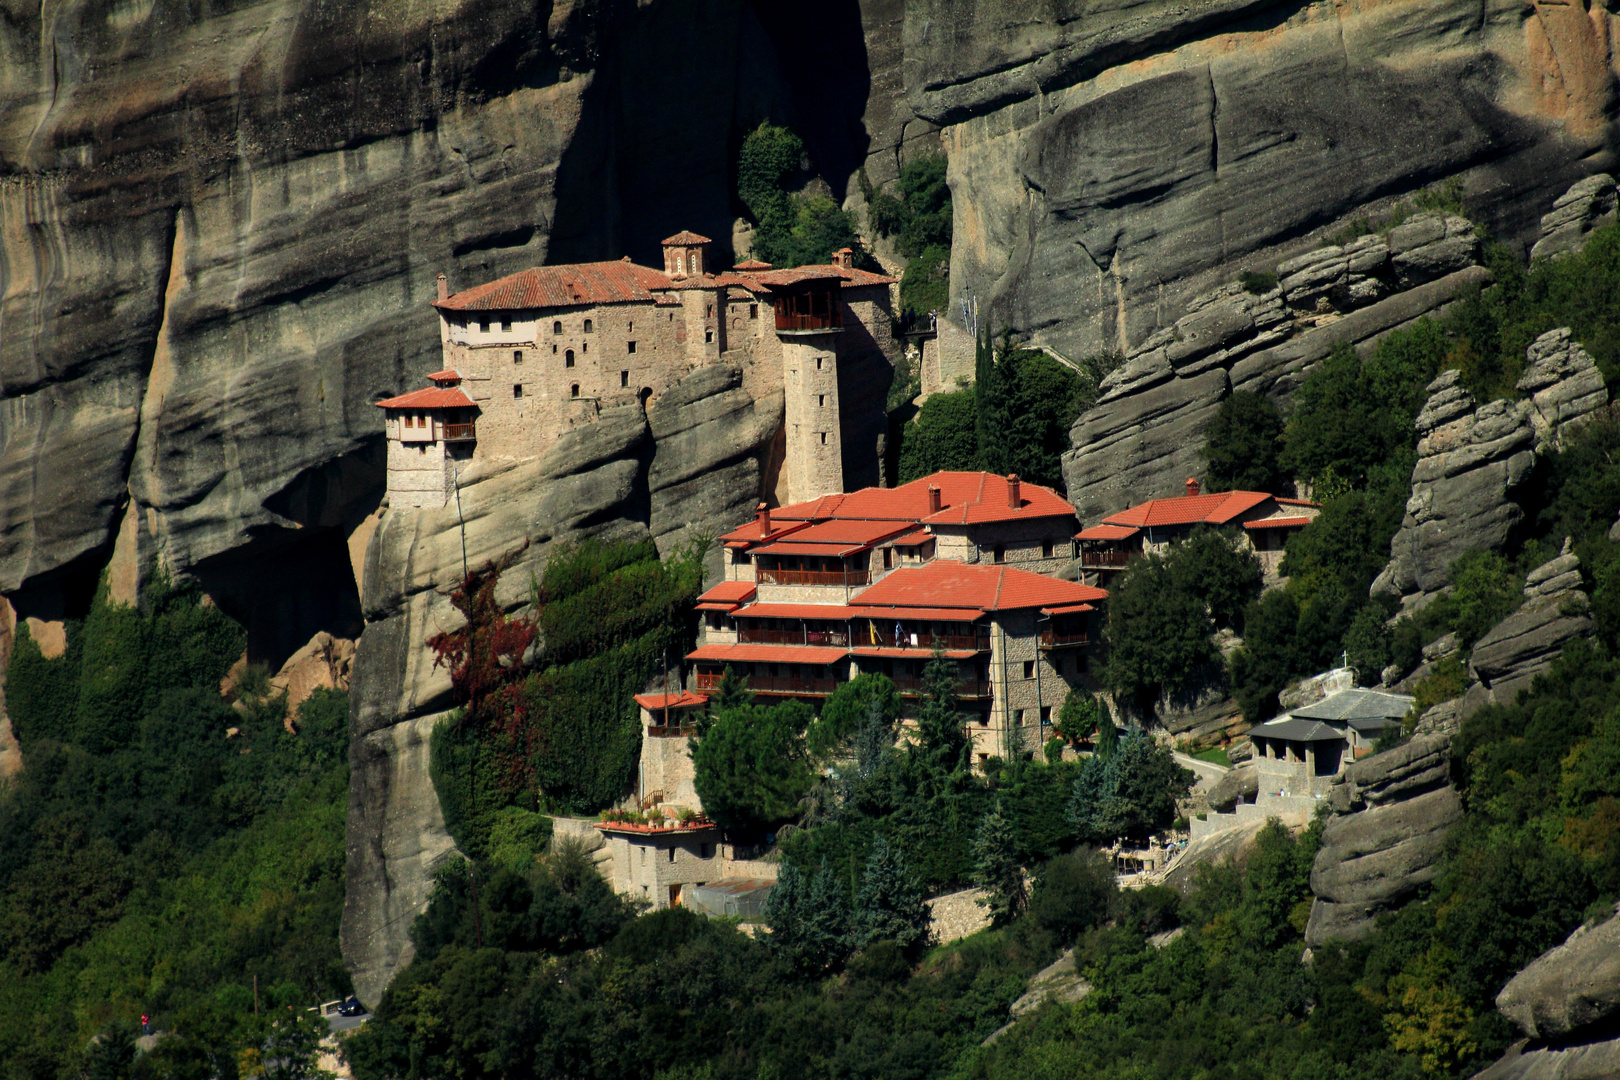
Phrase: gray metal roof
x=1296 y=730
x=1356 y=704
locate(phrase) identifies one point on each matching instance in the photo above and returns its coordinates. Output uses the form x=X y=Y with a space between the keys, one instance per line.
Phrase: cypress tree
x=944 y=737
x=996 y=869
x=889 y=905
x=1107 y=734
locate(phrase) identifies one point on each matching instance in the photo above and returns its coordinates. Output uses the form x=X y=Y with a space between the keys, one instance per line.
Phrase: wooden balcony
x=793 y=322
x=967 y=688
x=774 y=684
x=887 y=639
x=458 y=432
x=1105 y=560
x=1052 y=639
x=776 y=576
x=759 y=635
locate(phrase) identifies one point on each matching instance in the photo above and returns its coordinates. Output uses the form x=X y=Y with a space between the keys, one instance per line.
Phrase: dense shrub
x=1242 y=444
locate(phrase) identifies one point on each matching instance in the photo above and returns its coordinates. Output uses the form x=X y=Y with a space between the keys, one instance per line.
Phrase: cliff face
x=1114 y=165
x=219 y=230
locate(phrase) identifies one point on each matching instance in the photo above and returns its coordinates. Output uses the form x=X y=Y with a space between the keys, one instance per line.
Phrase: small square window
x=568 y=358
x=587 y=326
x=624 y=378
x=1000 y=554
x=517 y=356
x=1029 y=669
x=573 y=391
x=483 y=326
x=1046 y=716
x=1046 y=550
x=630 y=347
x=753 y=311
x=517 y=390
x=556 y=327
x=708 y=335
x=506 y=326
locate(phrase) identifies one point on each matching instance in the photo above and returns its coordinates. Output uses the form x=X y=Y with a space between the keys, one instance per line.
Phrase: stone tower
x=683 y=255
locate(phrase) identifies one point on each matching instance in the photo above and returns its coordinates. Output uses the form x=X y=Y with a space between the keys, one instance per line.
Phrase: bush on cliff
x=791 y=230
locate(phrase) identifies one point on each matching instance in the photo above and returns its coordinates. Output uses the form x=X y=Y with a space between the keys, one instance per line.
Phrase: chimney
x=844 y=257
x=762 y=514
x=1013 y=486
x=934 y=503
x=444 y=287
x=1192 y=486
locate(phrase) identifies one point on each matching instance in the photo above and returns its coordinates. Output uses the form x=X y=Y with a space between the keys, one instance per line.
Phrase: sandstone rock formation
x=1241 y=782
x=1585 y=206
x=1568 y=986
x=1523 y=645
x=1392 y=811
x=1567 y=1001
x=696 y=457
x=1473 y=459
x=1108 y=165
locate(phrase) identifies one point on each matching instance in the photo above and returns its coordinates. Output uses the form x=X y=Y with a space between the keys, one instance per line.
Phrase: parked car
x=351 y=1007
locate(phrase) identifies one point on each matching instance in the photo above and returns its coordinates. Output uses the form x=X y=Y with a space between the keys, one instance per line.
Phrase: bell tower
x=683 y=254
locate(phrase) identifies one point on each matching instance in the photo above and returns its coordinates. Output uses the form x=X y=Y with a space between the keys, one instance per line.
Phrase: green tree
x=1158 y=635
x=1242 y=446
x=1218 y=568
x=752 y=767
x=1073 y=893
x=889 y=904
x=112 y=673
x=731 y=692
x=1107 y=735
x=1132 y=792
x=847 y=710
x=809 y=919
x=942 y=437
x=939 y=723
x=1079 y=717
x=768 y=161
x=996 y=869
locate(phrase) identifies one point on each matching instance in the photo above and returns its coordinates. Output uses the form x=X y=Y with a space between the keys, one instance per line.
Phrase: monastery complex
x=533 y=355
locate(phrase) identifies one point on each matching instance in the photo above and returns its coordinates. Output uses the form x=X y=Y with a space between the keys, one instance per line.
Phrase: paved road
x=346 y=1023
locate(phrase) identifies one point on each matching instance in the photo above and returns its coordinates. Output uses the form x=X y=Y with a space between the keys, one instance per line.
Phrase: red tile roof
x=433 y=397
x=793 y=547
x=1067 y=609
x=748 y=532
x=842 y=612
x=447 y=375
x=837 y=612
x=966 y=498
x=770 y=654
x=686 y=699
x=797 y=275
x=1107 y=532
x=561 y=286
x=1277 y=523
x=1214 y=509
x=686 y=236
x=752 y=264
x=927 y=614
x=1297 y=502
x=914 y=538
x=730 y=592
x=948 y=583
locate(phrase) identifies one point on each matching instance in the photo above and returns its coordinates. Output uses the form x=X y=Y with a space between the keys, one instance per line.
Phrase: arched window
x=568 y=358
x=587 y=326
x=573 y=391
x=556 y=327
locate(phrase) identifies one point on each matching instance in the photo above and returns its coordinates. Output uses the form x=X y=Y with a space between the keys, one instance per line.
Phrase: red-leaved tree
x=485 y=661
